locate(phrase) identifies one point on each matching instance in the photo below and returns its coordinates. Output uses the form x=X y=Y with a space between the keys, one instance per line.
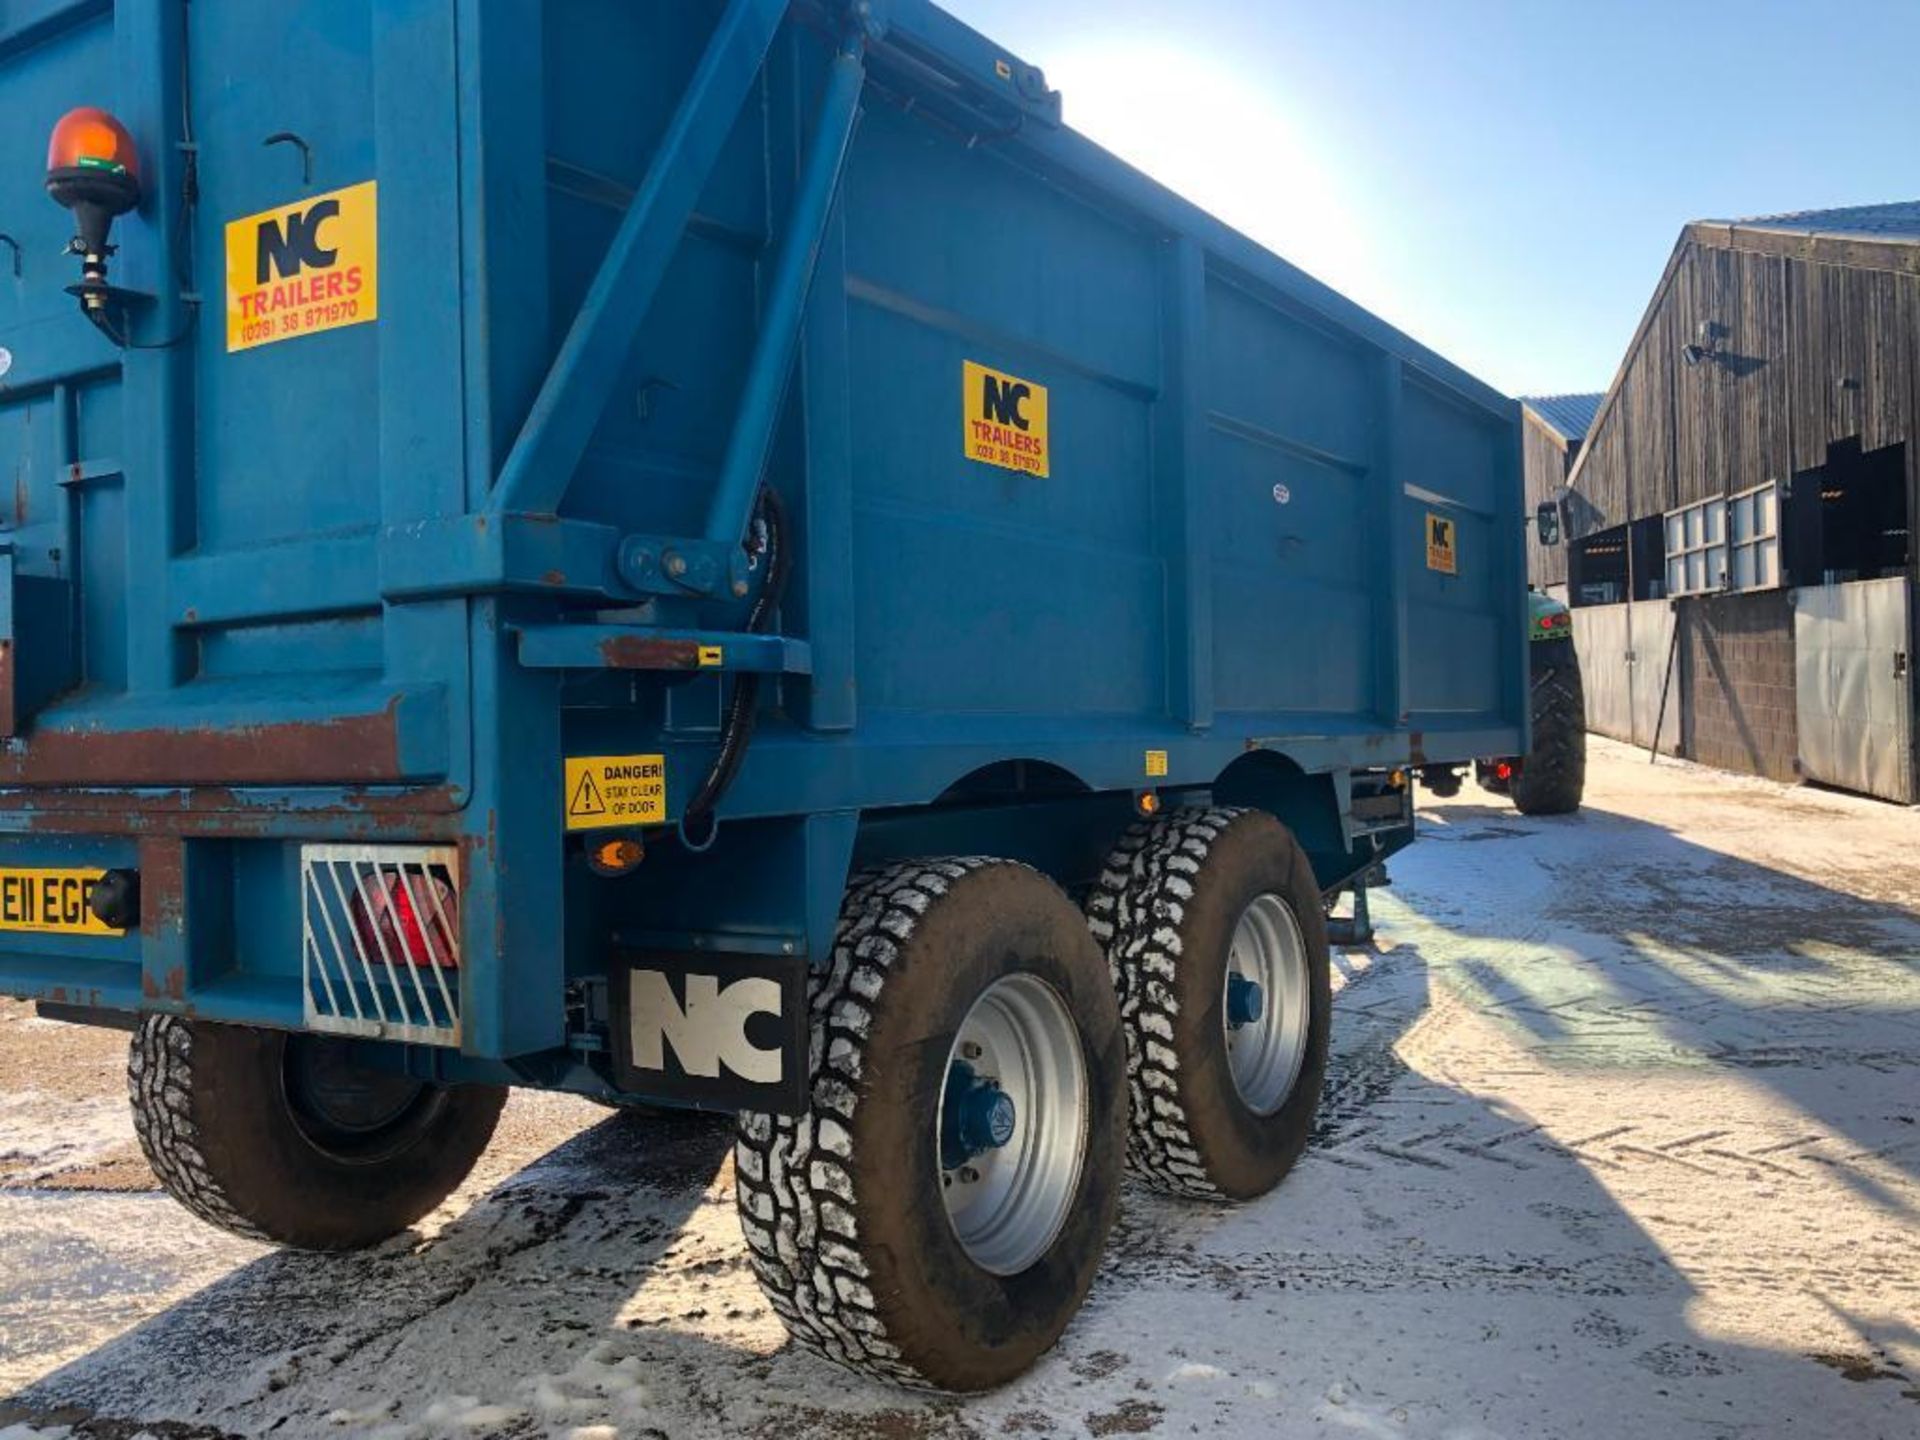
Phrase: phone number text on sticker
x=50 y=902
x=304 y=268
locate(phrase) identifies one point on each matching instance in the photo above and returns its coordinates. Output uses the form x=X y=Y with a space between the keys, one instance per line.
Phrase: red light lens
x=90 y=139
x=1503 y=771
x=413 y=920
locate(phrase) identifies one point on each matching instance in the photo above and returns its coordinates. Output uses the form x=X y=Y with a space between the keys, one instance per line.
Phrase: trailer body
x=406 y=556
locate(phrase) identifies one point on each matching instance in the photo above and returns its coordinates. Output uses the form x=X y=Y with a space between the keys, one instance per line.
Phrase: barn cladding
x=1553 y=428
x=1734 y=523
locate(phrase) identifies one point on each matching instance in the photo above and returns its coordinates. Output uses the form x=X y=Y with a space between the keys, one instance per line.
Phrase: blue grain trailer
x=706 y=552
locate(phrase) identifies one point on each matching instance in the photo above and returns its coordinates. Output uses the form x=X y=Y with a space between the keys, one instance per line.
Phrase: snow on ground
x=1621 y=1140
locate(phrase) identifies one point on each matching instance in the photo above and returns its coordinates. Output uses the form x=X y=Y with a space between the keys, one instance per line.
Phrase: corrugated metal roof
x=1897 y=220
x=1569 y=416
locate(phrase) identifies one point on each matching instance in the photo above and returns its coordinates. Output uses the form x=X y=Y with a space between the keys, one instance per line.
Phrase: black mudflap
x=716 y=1031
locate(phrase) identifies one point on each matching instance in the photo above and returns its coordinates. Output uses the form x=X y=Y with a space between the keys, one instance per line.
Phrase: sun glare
x=1197 y=125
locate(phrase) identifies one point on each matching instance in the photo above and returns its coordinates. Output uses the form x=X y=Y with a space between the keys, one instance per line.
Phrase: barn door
x=1854 y=686
x=1655 y=691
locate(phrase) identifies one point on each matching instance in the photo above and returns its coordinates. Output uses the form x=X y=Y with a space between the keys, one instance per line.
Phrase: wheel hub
x=346 y=1110
x=1012 y=1123
x=1245 y=1001
x=1266 y=1004
x=977 y=1116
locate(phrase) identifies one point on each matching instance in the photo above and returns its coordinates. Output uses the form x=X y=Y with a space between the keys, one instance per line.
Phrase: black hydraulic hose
x=743 y=709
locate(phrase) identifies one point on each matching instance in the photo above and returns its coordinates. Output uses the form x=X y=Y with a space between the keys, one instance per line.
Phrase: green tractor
x=1549 y=779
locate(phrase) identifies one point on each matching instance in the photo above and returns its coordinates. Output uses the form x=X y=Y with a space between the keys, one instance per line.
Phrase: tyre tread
x=796 y=1178
x=1554 y=778
x=160 y=1087
x=1135 y=912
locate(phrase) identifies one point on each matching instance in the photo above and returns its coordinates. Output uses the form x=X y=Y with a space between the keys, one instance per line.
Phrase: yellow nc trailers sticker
x=1443 y=544
x=304 y=268
x=1004 y=420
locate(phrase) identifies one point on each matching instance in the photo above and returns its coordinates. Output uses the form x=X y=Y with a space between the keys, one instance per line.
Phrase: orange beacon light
x=93 y=169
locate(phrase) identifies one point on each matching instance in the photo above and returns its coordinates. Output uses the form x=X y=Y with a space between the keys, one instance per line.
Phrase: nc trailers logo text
x=304 y=268
x=1005 y=420
x=293 y=244
x=709 y=1034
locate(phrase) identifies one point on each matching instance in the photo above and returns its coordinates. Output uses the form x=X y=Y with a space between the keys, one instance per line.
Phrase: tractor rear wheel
x=1553 y=777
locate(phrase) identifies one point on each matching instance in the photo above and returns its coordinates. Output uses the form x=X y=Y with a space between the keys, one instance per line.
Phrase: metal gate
x=1853 y=686
x=1627 y=667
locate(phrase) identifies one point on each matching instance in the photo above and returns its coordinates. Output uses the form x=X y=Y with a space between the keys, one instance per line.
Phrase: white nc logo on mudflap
x=709 y=1032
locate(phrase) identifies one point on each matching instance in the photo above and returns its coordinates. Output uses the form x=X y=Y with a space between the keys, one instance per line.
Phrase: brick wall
x=1736 y=674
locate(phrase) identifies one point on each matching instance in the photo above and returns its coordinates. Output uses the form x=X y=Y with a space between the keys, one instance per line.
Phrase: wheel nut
x=968 y=1175
x=970 y=1050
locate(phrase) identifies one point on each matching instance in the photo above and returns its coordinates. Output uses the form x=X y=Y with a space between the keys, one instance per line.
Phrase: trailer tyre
x=1553 y=778
x=1216 y=939
x=937 y=1217
x=277 y=1137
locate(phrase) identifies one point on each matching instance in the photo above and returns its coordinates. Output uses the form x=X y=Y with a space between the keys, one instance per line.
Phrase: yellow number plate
x=50 y=902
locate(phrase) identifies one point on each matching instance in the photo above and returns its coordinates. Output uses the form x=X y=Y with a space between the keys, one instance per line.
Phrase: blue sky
x=1503 y=180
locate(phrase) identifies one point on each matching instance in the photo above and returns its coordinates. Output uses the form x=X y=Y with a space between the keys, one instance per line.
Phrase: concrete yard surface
x=1621 y=1139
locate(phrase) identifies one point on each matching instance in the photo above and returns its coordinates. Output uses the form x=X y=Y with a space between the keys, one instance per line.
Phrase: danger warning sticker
x=1443 y=546
x=1004 y=420
x=604 y=792
x=303 y=268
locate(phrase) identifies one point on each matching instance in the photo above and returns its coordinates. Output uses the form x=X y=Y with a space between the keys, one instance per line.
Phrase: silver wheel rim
x=1265 y=1051
x=1007 y=1203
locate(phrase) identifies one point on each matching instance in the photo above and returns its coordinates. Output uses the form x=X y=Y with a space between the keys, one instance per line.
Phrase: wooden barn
x=1734 y=526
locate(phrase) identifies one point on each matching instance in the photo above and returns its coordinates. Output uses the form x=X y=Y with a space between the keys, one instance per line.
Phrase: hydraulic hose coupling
x=114 y=899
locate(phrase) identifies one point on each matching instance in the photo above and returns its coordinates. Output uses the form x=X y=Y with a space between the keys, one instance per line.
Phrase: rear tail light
x=408 y=918
x=1503 y=770
x=380 y=926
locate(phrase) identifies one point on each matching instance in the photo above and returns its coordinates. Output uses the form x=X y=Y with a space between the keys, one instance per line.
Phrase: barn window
x=1646 y=556
x=1597 y=567
x=1731 y=544
x=1848 y=519
x=1753 y=524
x=1697 y=548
